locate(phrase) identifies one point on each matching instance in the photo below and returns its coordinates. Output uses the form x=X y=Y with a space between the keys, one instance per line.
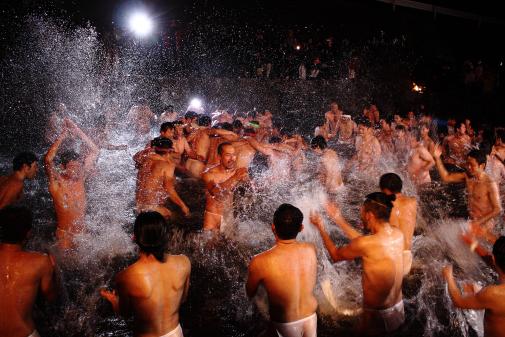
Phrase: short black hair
x=204 y=120
x=458 y=123
x=500 y=134
x=151 y=234
x=499 y=252
x=23 y=158
x=288 y=221
x=15 y=223
x=392 y=182
x=237 y=124
x=68 y=156
x=318 y=142
x=275 y=140
x=400 y=127
x=226 y=126
x=380 y=204
x=162 y=142
x=478 y=155
x=361 y=120
x=190 y=115
x=220 y=147
x=167 y=125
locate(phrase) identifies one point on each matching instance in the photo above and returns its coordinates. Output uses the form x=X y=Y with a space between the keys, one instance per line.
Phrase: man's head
x=190 y=117
x=376 y=209
x=334 y=106
x=227 y=155
x=70 y=164
x=237 y=126
x=204 y=121
x=288 y=221
x=424 y=130
x=400 y=131
x=15 y=224
x=26 y=163
x=275 y=140
x=364 y=125
x=161 y=145
x=167 y=130
x=475 y=162
x=499 y=253
x=460 y=127
x=151 y=234
x=500 y=137
x=390 y=183
x=318 y=142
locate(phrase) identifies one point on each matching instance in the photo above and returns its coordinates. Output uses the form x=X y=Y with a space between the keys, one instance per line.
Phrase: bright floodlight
x=195 y=103
x=141 y=24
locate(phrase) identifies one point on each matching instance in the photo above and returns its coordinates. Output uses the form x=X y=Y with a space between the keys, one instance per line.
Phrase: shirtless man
x=244 y=151
x=401 y=143
x=220 y=182
x=346 y=130
x=426 y=140
x=490 y=298
x=140 y=117
x=404 y=213
x=66 y=183
x=200 y=144
x=456 y=146
x=152 y=289
x=420 y=161
x=288 y=272
x=23 y=275
x=372 y=113
x=368 y=149
x=333 y=119
x=180 y=144
x=280 y=157
x=385 y=136
x=155 y=179
x=483 y=199
x=169 y=115
x=382 y=256
x=329 y=169
x=24 y=167
x=495 y=166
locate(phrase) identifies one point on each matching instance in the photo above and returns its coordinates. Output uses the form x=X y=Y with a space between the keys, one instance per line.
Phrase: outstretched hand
x=447 y=272
x=333 y=211
x=437 y=151
x=316 y=220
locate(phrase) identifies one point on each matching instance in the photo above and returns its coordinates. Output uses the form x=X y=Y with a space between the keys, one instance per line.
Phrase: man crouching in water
x=66 y=184
x=152 y=289
x=155 y=179
x=23 y=275
x=383 y=267
x=288 y=272
x=220 y=182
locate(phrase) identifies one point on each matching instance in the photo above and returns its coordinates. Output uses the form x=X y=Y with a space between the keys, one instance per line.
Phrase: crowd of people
x=219 y=151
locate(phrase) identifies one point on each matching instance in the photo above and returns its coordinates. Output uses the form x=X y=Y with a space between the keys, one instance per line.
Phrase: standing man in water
x=368 y=148
x=382 y=256
x=66 y=183
x=329 y=166
x=484 y=203
x=332 y=118
x=490 y=298
x=25 y=167
x=456 y=146
x=403 y=214
x=155 y=179
x=420 y=161
x=152 y=289
x=220 y=182
x=288 y=272
x=23 y=275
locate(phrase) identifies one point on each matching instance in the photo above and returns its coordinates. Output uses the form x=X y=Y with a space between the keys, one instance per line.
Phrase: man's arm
x=51 y=153
x=260 y=147
x=427 y=158
x=47 y=282
x=446 y=176
x=186 y=283
x=168 y=184
x=334 y=213
x=477 y=301
x=494 y=199
x=253 y=279
x=94 y=150
x=224 y=188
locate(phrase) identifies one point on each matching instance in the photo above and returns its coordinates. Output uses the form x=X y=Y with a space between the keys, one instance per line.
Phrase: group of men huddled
x=152 y=289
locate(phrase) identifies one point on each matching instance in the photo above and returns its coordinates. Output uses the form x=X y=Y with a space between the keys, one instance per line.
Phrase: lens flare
x=141 y=24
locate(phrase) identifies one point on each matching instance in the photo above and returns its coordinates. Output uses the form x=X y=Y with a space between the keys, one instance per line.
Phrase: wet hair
x=237 y=124
x=204 y=120
x=226 y=126
x=288 y=221
x=167 y=125
x=380 y=204
x=400 y=128
x=499 y=252
x=151 y=234
x=478 y=155
x=23 y=158
x=275 y=140
x=190 y=114
x=68 y=156
x=392 y=182
x=500 y=134
x=361 y=120
x=220 y=147
x=458 y=123
x=161 y=143
x=15 y=223
x=318 y=142
x=249 y=131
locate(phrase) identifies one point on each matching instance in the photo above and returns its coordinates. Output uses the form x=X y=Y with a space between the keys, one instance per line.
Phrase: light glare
x=141 y=24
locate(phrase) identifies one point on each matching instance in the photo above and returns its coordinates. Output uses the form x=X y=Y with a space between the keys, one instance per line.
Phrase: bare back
x=483 y=196
x=494 y=318
x=288 y=273
x=404 y=217
x=22 y=276
x=155 y=291
x=10 y=190
x=69 y=198
x=151 y=179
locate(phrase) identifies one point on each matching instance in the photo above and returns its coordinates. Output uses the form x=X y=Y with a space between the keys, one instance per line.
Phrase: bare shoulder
x=210 y=171
x=308 y=247
x=180 y=260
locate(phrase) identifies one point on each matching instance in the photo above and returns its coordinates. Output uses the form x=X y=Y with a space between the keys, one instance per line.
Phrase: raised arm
x=51 y=154
x=94 y=150
x=446 y=176
x=477 y=301
x=260 y=147
x=335 y=214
